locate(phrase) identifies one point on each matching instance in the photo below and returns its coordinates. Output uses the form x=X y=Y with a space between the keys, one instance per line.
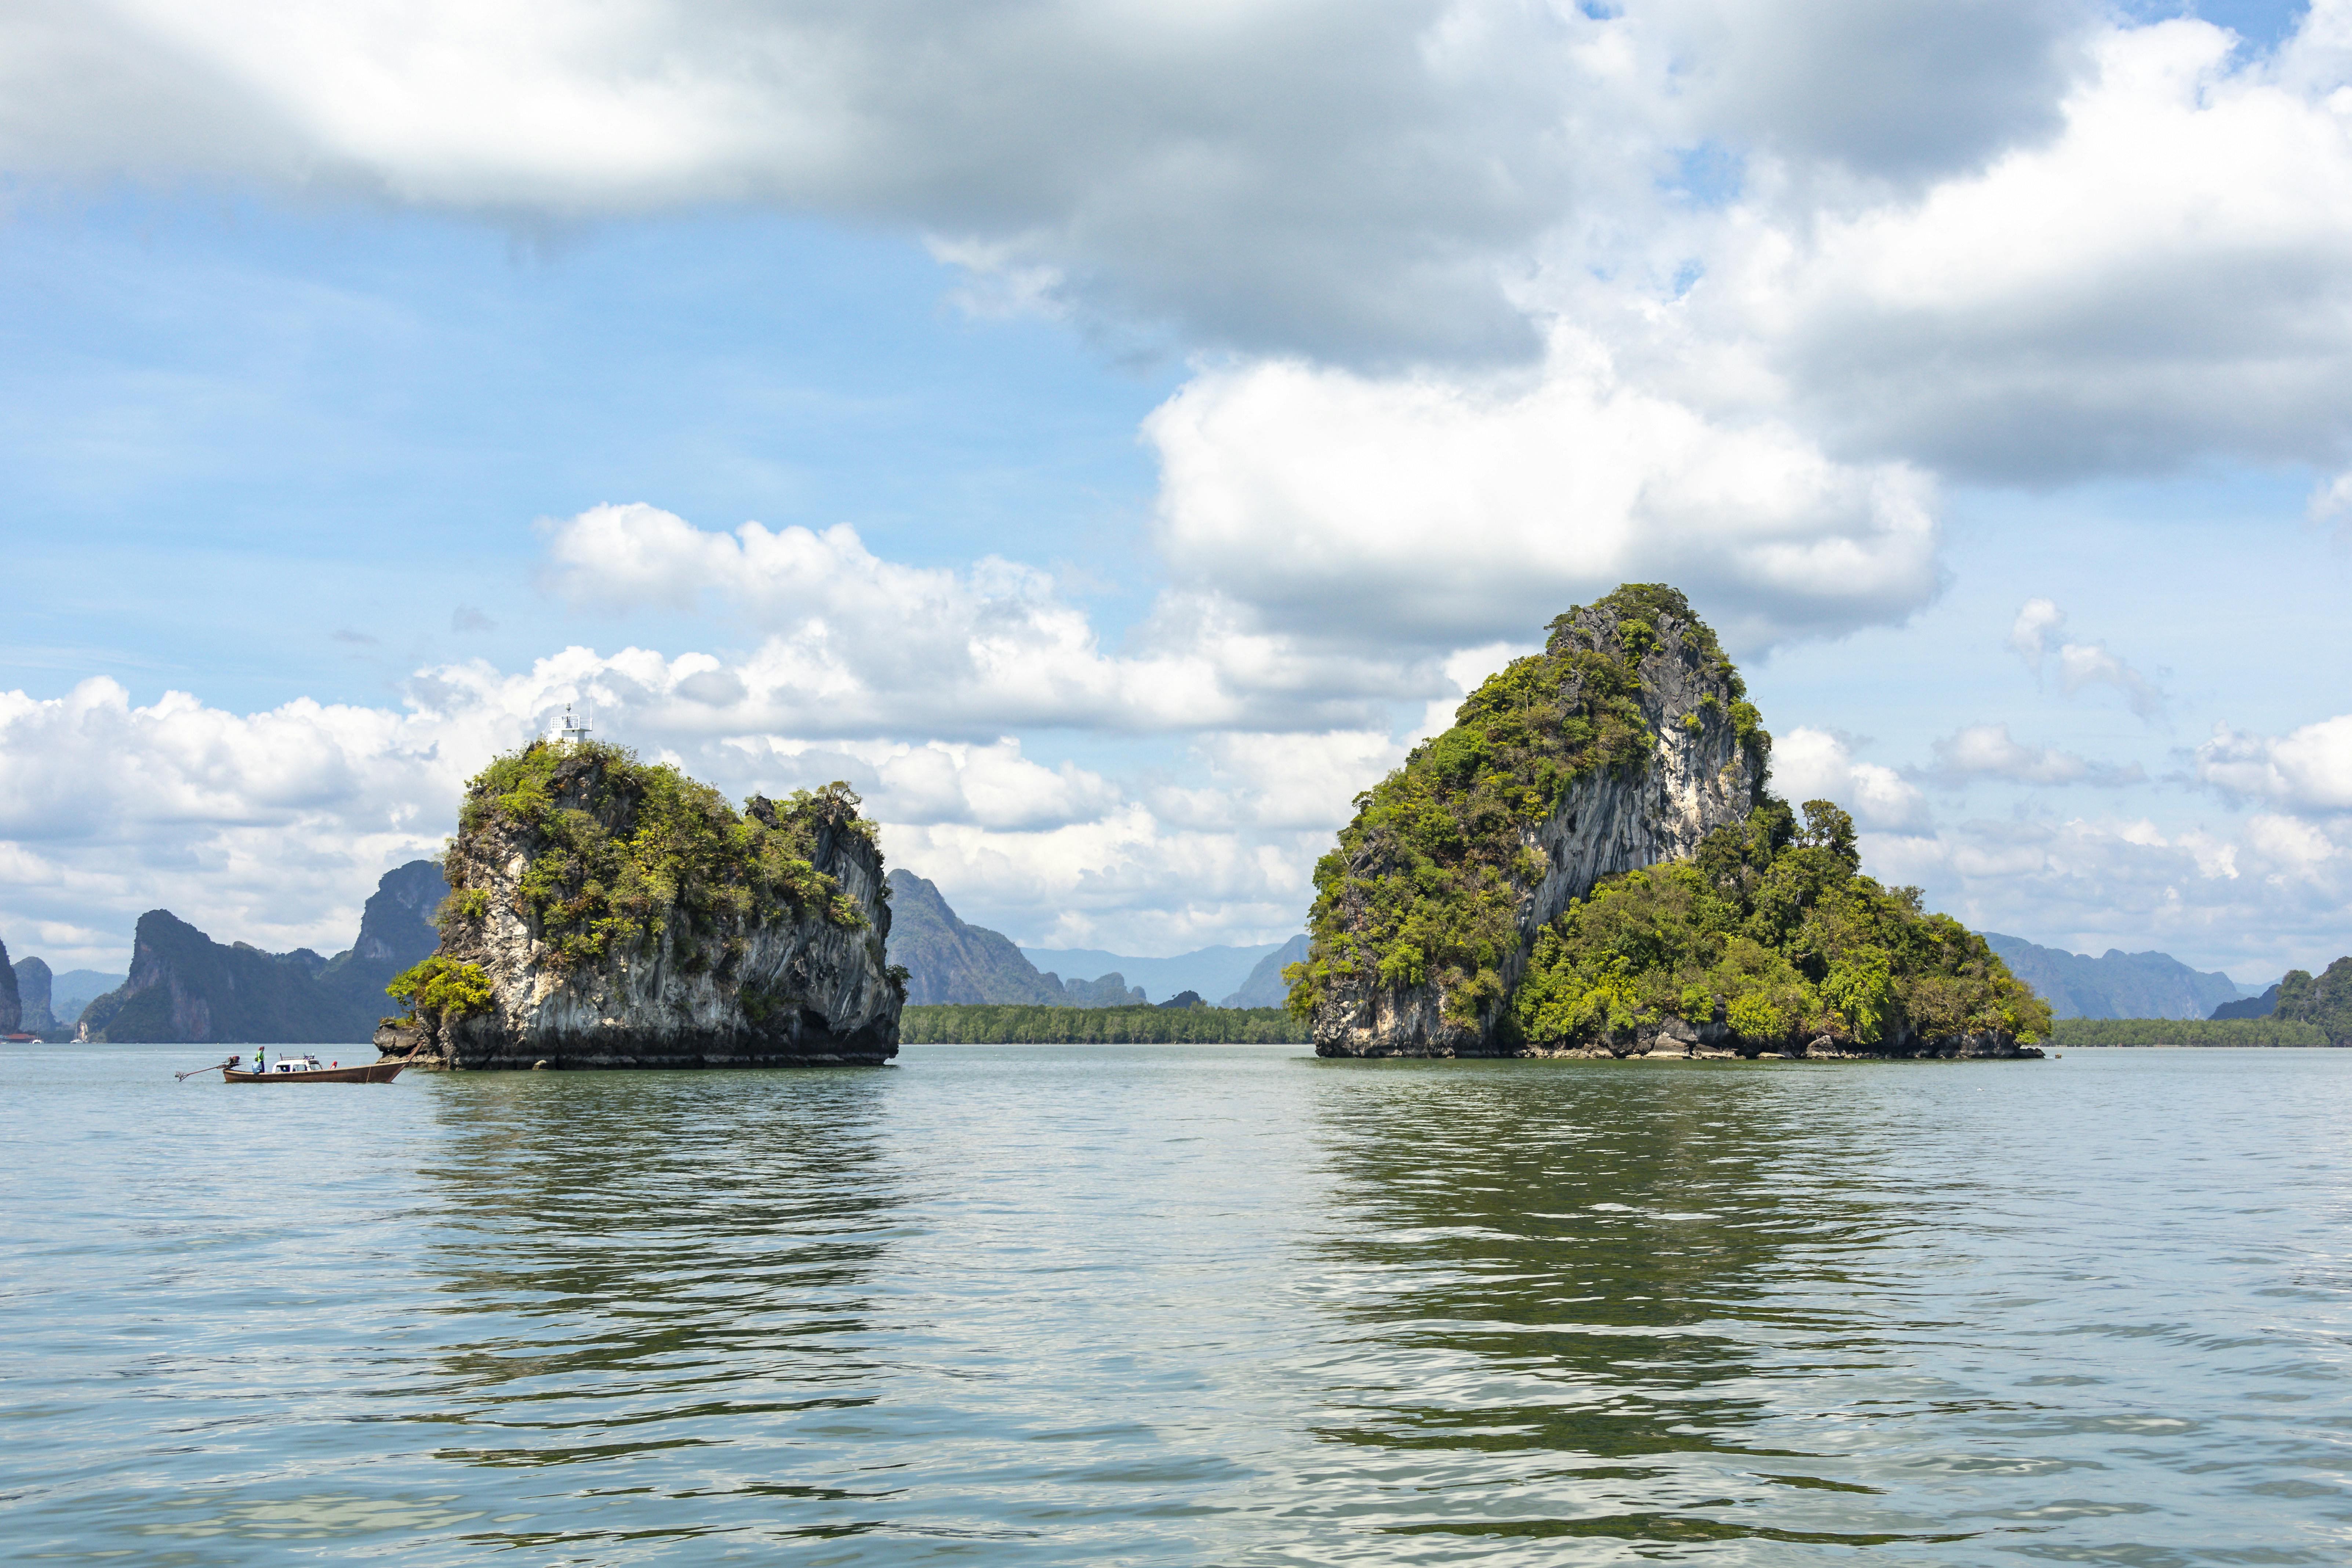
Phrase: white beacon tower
x=571 y=730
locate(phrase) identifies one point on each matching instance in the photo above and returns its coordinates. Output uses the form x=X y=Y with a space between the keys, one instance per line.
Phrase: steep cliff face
x=605 y=912
x=1625 y=741
x=12 y=1008
x=396 y=926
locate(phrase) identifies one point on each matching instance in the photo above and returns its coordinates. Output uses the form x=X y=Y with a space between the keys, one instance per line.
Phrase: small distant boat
x=305 y=1069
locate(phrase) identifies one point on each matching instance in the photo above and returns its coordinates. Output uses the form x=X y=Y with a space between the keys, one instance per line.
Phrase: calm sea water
x=1182 y=1305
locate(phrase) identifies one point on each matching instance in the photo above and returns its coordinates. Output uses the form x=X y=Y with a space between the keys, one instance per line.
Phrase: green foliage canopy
x=1426 y=880
x=2271 y=1031
x=677 y=852
x=1775 y=924
x=989 y=1024
x=2324 y=1000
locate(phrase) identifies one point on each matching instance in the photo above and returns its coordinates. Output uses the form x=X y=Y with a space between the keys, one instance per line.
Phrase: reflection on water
x=1593 y=1253
x=1667 y=1313
x=658 y=1276
x=1184 y=1306
x=1563 y=1300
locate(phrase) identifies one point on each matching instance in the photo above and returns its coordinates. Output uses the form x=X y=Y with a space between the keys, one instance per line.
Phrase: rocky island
x=1589 y=863
x=607 y=912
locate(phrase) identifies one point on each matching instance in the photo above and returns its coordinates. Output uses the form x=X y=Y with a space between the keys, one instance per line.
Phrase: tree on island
x=1775 y=925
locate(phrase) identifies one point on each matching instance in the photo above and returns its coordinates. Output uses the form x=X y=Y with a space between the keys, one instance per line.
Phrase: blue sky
x=1210 y=394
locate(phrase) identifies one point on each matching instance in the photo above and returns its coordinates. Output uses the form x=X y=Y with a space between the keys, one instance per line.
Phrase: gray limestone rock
x=1698 y=776
x=768 y=985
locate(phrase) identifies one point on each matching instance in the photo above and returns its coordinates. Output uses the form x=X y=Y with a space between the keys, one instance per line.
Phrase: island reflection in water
x=1582 y=1303
x=657 y=1271
x=1153 y=1305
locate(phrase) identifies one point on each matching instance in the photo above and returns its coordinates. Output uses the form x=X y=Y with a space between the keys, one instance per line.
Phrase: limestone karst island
x=1588 y=864
x=605 y=912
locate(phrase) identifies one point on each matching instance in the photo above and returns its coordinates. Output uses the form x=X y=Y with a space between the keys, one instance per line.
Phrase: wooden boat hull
x=375 y=1072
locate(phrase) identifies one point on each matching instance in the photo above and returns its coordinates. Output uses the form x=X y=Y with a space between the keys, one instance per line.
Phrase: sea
x=1197 y=1305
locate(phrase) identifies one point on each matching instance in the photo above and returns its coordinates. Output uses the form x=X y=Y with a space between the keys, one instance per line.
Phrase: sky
x=1109 y=434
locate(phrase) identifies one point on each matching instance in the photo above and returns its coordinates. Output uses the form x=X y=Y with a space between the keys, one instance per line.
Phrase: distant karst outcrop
x=183 y=985
x=1266 y=987
x=2261 y=1007
x=605 y=912
x=34 y=984
x=949 y=961
x=12 y=1006
x=1588 y=864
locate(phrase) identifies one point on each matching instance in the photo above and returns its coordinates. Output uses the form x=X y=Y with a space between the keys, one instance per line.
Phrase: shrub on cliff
x=441 y=988
x=1425 y=882
x=686 y=855
x=1775 y=924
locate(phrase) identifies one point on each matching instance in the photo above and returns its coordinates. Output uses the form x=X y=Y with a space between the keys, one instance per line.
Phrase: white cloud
x=2277 y=893
x=1990 y=751
x=273 y=827
x=1934 y=87
x=2037 y=623
x=855 y=645
x=2018 y=240
x=1373 y=510
x=2160 y=281
x=1814 y=765
x=269 y=827
x=1313 y=174
x=2034 y=638
x=2309 y=770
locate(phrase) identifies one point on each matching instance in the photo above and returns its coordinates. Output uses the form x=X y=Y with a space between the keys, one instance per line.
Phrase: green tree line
x=993 y=1024
x=2186 y=1032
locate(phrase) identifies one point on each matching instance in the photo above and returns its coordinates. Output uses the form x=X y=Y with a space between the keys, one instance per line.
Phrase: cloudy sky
x=1109 y=432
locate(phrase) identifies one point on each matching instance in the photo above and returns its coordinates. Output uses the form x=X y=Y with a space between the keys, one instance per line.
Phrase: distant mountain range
x=950 y=961
x=2116 y=984
x=1211 y=971
x=183 y=985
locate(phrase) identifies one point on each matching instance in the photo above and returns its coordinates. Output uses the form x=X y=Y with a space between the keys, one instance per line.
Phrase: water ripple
x=1147 y=1305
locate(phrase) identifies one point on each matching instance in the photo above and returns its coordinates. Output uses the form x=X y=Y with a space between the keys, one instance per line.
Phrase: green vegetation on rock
x=441 y=988
x=1775 y=925
x=2185 y=1032
x=1425 y=882
x=687 y=854
x=2324 y=1000
x=986 y=1024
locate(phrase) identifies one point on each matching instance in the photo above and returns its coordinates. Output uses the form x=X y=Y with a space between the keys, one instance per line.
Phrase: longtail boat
x=305 y=1069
